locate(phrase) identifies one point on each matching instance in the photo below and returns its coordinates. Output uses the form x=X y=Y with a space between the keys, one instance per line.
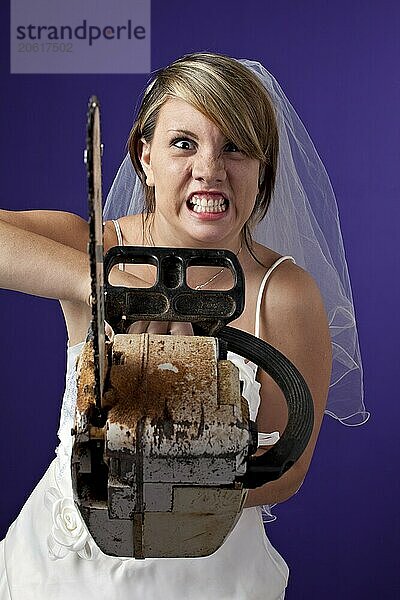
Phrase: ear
x=144 y=154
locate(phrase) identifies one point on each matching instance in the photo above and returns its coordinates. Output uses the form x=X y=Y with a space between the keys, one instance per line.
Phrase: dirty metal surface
x=160 y=478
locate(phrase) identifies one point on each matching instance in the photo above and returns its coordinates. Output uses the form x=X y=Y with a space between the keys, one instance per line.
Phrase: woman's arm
x=44 y=253
x=293 y=321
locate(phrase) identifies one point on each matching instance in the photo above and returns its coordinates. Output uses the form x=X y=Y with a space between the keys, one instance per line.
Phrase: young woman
x=207 y=153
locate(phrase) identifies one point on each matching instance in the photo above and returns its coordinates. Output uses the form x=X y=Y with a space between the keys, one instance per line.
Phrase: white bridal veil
x=302 y=221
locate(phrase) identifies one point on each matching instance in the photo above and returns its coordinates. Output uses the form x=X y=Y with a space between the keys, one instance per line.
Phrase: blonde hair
x=230 y=96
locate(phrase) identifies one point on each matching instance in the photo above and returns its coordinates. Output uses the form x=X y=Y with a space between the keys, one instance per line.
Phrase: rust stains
x=85 y=379
x=166 y=380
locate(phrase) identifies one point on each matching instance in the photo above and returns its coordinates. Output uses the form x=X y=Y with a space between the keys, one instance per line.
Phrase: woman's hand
x=126 y=279
x=162 y=327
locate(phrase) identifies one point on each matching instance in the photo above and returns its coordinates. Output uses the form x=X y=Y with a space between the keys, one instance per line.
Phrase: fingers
x=180 y=328
x=108 y=330
x=139 y=327
x=161 y=327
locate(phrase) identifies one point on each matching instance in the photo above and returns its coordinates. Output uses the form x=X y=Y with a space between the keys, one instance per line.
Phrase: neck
x=156 y=234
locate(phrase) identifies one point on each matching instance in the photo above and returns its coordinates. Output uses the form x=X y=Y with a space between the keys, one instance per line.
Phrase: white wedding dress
x=34 y=565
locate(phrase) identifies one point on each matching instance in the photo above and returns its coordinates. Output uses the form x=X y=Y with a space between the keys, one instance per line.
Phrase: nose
x=208 y=167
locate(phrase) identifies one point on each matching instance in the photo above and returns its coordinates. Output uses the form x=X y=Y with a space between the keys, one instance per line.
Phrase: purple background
x=338 y=63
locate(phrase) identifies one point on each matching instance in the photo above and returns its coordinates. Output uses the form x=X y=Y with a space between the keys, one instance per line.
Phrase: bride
x=210 y=165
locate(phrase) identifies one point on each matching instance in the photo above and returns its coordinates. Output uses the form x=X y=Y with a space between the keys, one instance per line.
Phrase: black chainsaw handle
x=288 y=449
x=209 y=311
x=170 y=298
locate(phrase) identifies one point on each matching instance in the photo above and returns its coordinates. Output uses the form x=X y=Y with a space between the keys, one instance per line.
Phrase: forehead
x=177 y=114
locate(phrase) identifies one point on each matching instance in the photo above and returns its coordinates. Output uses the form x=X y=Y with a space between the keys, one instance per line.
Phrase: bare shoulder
x=292 y=288
x=292 y=306
x=289 y=285
x=131 y=229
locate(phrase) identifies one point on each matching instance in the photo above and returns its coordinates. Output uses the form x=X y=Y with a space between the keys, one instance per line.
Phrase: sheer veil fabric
x=302 y=221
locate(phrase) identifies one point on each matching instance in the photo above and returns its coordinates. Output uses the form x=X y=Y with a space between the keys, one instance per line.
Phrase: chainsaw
x=163 y=445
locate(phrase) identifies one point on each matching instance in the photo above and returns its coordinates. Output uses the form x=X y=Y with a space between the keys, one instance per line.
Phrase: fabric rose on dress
x=68 y=532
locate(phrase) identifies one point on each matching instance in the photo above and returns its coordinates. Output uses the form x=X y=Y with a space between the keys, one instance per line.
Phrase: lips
x=206 y=202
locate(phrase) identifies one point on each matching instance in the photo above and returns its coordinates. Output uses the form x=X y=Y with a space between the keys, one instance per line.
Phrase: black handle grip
x=280 y=457
x=170 y=298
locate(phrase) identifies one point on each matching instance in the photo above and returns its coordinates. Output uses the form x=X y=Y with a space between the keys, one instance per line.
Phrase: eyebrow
x=184 y=132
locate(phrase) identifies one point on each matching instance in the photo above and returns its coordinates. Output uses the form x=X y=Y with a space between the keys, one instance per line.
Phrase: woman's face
x=205 y=188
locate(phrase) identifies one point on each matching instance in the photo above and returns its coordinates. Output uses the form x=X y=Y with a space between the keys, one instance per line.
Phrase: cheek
x=248 y=185
x=247 y=182
x=255 y=177
x=169 y=173
x=253 y=187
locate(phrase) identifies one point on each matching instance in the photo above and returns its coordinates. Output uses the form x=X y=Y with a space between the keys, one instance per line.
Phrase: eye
x=231 y=147
x=183 y=144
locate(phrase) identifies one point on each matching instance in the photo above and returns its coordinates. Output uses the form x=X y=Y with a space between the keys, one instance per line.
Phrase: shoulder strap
x=118 y=231
x=261 y=290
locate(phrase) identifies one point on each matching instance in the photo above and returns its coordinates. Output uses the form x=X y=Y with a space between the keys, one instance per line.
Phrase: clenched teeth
x=201 y=204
